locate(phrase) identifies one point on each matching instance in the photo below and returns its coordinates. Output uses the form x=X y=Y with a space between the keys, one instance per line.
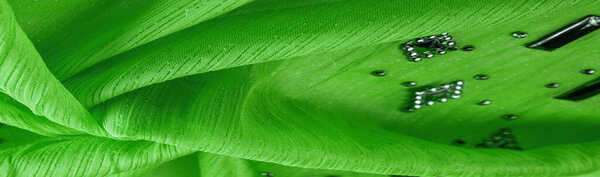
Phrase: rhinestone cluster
x=503 y=139
x=428 y=47
x=442 y=93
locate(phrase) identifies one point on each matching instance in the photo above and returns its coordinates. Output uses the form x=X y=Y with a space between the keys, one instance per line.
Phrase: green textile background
x=245 y=88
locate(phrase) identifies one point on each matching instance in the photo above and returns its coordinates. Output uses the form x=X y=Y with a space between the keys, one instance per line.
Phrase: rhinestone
x=519 y=35
x=588 y=71
x=485 y=102
x=468 y=48
x=378 y=73
x=441 y=52
x=409 y=83
x=553 y=85
x=481 y=77
x=511 y=117
x=594 y=21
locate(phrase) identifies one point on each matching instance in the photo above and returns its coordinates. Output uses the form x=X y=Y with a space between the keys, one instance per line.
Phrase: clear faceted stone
x=594 y=21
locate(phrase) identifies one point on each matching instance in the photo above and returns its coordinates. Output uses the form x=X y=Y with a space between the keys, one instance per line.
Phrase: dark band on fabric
x=568 y=34
x=584 y=92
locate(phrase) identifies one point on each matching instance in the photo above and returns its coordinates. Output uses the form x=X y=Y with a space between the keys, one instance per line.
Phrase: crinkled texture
x=283 y=87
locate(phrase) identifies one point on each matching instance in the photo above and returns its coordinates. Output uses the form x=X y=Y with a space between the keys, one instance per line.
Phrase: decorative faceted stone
x=594 y=21
x=553 y=85
x=378 y=73
x=409 y=83
x=485 y=102
x=511 y=117
x=519 y=35
x=427 y=47
x=588 y=71
x=468 y=48
x=481 y=77
x=441 y=93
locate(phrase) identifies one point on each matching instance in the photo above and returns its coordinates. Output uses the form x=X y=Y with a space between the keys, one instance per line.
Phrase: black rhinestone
x=410 y=83
x=459 y=142
x=468 y=48
x=378 y=73
x=553 y=85
x=511 y=117
x=453 y=48
x=588 y=71
x=481 y=77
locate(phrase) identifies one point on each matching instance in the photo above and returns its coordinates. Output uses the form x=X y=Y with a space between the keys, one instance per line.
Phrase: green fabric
x=241 y=87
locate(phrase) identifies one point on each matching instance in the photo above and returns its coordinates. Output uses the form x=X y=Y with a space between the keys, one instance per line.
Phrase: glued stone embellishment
x=503 y=139
x=442 y=93
x=428 y=47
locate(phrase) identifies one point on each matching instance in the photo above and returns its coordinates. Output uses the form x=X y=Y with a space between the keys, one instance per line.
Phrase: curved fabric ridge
x=206 y=164
x=263 y=36
x=216 y=165
x=100 y=29
x=25 y=78
x=81 y=156
x=15 y=114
